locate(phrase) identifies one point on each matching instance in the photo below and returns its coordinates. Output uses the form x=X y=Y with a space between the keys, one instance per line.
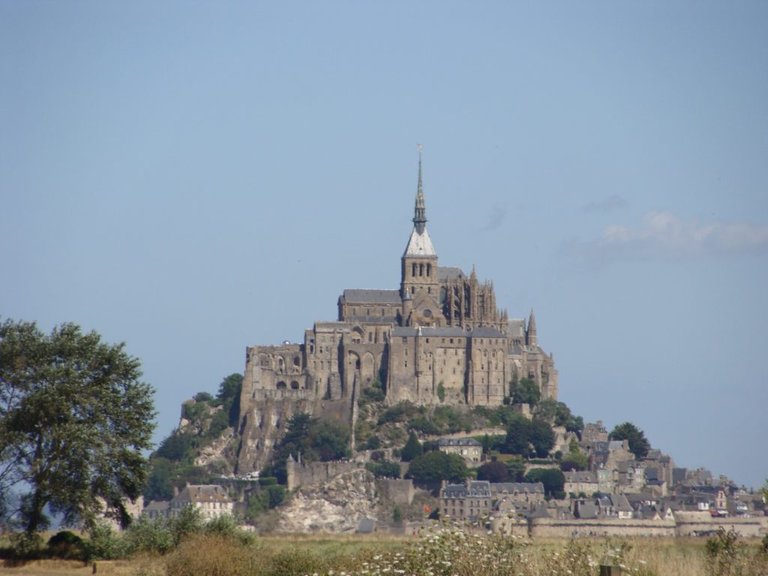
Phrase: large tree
x=75 y=420
x=553 y=480
x=435 y=466
x=638 y=444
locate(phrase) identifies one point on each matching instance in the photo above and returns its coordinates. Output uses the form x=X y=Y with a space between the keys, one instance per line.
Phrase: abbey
x=439 y=338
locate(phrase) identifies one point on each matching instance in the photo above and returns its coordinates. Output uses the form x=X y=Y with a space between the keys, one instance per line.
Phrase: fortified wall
x=685 y=524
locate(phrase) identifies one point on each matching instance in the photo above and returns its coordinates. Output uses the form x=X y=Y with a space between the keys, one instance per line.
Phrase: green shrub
x=150 y=535
x=384 y=469
x=105 y=544
x=66 y=545
x=189 y=521
x=24 y=545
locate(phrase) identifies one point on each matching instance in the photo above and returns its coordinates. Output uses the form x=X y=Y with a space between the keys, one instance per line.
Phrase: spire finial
x=420 y=210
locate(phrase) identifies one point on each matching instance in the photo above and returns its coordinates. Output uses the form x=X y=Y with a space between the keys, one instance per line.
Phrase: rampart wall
x=315 y=473
x=690 y=524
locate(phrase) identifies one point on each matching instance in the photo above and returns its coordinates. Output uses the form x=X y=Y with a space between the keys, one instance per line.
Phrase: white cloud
x=664 y=235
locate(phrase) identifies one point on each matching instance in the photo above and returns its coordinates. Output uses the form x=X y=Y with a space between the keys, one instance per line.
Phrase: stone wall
x=551 y=528
x=316 y=473
x=397 y=490
x=703 y=524
x=685 y=524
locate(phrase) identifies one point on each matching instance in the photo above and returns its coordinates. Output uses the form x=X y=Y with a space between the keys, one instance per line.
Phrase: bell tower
x=419 y=280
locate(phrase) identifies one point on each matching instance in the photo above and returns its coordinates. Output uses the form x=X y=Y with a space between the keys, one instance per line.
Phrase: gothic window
x=281 y=385
x=413 y=270
x=294 y=385
x=421 y=269
x=429 y=269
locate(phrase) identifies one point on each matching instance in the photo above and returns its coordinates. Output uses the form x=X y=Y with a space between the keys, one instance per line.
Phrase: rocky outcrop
x=335 y=507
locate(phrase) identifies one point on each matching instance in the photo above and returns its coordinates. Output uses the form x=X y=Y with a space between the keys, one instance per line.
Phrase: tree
x=229 y=396
x=433 y=467
x=638 y=444
x=74 y=421
x=493 y=472
x=515 y=469
x=412 y=448
x=518 y=436
x=553 y=480
x=542 y=437
x=558 y=414
x=575 y=459
x=526 y=391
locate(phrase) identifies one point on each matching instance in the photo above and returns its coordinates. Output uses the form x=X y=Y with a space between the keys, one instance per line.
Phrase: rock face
x=336 y=507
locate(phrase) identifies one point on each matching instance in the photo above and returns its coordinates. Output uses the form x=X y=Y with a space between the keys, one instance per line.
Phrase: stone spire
x=420 y=243
x=420 y=210
x=530 y=333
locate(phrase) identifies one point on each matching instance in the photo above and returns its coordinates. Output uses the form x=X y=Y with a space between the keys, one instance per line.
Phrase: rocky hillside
x=337 y=506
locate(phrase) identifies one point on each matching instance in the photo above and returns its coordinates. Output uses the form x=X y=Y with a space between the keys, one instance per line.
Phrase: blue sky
x=195 y=177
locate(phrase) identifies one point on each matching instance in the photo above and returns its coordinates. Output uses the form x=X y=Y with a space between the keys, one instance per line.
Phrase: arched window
x=281 y=385
x=294 y=385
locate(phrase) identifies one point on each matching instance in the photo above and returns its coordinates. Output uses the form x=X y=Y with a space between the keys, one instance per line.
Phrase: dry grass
x=324 y=554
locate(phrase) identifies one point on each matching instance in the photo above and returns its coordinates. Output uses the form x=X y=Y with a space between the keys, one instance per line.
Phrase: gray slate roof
x=356 y=296
x=449 y=273
x=476 y=488
x=458 y=442
x=448 y=331
x=519 y=487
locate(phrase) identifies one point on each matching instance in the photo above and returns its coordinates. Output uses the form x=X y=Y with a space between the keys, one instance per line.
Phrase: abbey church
x=439 y=338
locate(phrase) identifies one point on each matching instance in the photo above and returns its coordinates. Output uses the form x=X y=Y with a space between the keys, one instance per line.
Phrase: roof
x=449 y=273
x=448 y=331
x=355 y=296
x=517 y=487
x=540 y=512
x=157 y=505
x=203 y=493
x=458 y=442
x=420 y=244
x=474 y=488
x=582 y=476
x=587 y=510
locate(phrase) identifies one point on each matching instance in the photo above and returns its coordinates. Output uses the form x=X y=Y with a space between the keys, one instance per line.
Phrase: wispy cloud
x=664 y=235
x=496 y=217
x=608 y=204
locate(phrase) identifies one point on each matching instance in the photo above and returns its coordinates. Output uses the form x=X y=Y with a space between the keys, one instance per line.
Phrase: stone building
x=211 y=500
x=468 y=448
x=437 y=339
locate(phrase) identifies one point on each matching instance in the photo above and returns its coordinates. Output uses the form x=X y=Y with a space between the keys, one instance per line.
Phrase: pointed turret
x=419 y=261
x=420 y=209
x=530 y=333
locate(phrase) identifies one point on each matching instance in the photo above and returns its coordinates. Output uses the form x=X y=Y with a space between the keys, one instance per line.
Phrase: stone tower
x=419 y=279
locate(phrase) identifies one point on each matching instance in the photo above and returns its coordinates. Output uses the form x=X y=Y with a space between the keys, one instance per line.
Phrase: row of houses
x=211 y=500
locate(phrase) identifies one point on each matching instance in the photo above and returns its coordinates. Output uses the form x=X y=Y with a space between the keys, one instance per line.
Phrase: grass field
x=435 y=554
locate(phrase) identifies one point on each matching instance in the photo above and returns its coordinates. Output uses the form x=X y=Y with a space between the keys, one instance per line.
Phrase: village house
x=469 y=501
x=516 y=498
x=581 y=483
x=468 y=448
x=210 y=499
